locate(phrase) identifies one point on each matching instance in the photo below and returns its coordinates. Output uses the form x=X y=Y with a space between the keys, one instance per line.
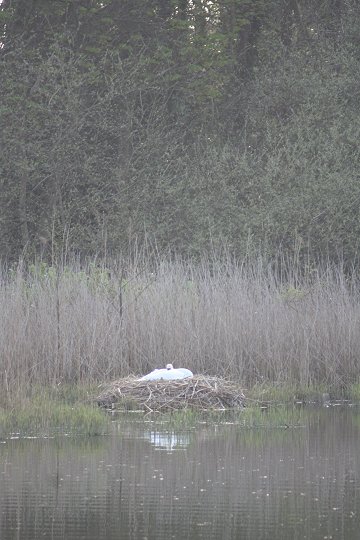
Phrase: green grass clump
x=45 y=413
x=285 y=393
x=280 y=416
x=273 y=417
x=272 y=393
x=182 y=419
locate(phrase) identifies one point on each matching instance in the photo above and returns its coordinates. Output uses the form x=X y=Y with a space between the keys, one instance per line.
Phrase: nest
x=198 y=392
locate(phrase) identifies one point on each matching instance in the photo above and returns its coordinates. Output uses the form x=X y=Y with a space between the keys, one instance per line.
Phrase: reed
x=254 y=323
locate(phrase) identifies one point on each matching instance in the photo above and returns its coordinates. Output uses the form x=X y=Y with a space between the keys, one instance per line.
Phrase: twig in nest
x=198 y=392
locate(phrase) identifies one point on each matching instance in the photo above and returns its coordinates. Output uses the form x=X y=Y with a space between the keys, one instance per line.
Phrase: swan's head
x=169 y=366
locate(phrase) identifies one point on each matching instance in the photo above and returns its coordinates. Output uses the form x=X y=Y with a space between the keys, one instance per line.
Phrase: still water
x=148 y=480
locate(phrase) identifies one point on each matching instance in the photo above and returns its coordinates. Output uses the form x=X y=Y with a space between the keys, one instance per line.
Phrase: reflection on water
x=226 y=482
x=167 y=440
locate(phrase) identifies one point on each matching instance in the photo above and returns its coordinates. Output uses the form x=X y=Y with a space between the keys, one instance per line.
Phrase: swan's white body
x=167 y=374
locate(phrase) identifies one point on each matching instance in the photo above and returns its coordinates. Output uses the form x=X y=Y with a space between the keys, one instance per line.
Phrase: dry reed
x=246 y=323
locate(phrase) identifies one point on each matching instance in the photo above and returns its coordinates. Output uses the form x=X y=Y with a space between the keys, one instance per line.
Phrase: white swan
x=167 y=374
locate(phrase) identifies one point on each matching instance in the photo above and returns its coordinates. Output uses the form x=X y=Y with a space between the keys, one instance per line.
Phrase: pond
x=211 y=480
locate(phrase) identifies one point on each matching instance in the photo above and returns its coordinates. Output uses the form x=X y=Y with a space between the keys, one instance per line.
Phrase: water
x=149 y=481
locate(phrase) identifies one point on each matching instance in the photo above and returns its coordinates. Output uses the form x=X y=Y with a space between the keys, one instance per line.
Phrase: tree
x=197 y=122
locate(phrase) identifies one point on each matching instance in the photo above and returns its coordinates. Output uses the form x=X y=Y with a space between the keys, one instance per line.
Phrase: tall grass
x=244 y=321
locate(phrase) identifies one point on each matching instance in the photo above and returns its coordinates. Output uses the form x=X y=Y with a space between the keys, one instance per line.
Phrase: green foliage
x=97 y=279
x=354 y=392
x=42 y=271
x=292 y=294
x=200 y=124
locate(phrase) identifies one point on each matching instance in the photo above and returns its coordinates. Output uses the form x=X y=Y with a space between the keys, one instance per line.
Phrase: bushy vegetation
x=248 y=322
x=196 y=123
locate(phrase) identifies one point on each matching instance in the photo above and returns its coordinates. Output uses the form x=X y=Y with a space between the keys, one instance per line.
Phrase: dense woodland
x=195 y=123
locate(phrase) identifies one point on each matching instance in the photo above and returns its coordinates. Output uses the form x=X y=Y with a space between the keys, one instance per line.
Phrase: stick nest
x=198 y=392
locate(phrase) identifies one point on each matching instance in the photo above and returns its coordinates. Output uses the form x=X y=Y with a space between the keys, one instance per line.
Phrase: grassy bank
x=269 y=393
x=248 y=322
x=51 y=411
